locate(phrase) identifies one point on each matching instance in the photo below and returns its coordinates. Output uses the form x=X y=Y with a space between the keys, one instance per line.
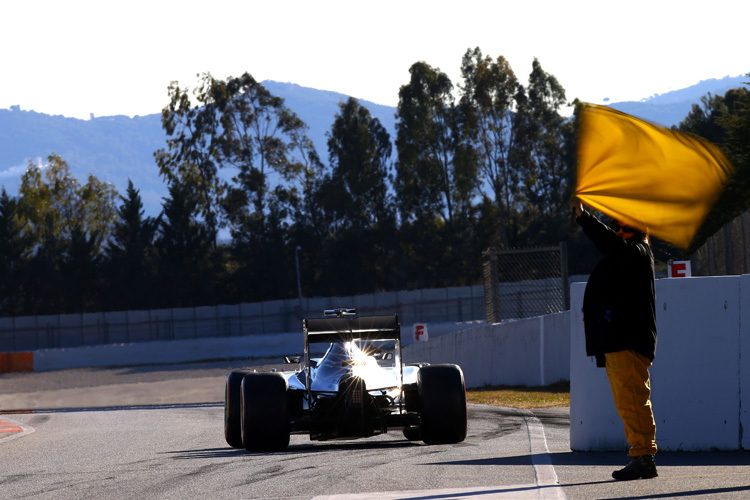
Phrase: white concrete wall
x=168 y=352
x=29 y=333
x=696 y=379
x=744 y=360
x=194 y=350
x=531 y=352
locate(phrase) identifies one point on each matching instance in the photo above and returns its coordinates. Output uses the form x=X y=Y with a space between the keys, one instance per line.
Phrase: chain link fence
x=524 y=283
x=452 y=304
x=726 y=251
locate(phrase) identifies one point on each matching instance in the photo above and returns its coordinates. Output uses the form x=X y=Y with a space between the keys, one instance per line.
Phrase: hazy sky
x=77 y=57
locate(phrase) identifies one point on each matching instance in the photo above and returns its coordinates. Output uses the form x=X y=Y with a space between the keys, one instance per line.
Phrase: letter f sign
x=420 y=332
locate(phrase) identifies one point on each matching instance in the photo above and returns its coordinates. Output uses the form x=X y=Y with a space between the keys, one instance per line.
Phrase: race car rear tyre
x=413 y=434
x=264 y=412
x=232 y=402
x=443 y=393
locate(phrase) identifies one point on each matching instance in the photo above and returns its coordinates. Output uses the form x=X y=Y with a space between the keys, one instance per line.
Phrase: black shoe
x=642 y=467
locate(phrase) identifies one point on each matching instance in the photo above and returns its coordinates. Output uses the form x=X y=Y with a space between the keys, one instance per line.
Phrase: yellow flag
x=649 y=177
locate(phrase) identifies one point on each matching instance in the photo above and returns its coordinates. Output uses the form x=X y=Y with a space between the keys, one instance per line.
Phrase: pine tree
x=130 y=253
x=14 y=250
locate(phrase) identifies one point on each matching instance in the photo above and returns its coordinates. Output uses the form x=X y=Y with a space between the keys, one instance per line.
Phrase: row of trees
x=489 y=162
x=725 y=121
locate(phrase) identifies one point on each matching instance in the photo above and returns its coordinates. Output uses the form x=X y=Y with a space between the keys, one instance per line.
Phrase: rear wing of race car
x=327 y=330
x=344 y=329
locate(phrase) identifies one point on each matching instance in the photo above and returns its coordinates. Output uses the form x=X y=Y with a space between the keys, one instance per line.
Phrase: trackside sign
x=678 y=269
x=420 y=332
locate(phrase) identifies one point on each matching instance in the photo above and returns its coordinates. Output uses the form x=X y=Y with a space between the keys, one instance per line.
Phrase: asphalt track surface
x=156 y=432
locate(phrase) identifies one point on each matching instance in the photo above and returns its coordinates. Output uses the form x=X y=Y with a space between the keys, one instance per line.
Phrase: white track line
x=10 y=437
x=507 y=492
x=546 y=477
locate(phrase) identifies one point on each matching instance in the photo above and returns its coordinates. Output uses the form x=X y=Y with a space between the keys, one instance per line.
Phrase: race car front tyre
x=264 y=412
x=442 y=391
x=232 y=401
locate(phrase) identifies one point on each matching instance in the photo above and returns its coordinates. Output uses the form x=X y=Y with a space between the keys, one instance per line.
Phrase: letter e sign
x=678 y=268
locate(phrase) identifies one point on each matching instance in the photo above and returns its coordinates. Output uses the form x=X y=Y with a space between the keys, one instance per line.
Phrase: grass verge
x=519 y=396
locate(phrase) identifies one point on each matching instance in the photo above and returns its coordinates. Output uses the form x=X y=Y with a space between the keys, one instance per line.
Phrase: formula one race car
x=358 y=388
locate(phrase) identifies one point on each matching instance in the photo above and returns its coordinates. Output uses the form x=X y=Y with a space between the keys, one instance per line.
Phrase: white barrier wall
x=745 y=349
x=193 y=350
x=31 y=333
x=531 y=352
x=697 y=375
x=168 y=352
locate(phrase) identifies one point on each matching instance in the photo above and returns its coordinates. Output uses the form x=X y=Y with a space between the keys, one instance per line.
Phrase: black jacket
x=619 y=302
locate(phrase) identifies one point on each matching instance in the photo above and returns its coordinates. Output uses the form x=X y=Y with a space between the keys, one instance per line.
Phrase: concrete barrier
x=697 y=377
x=168 y=352
x=178 y=351
x=30 y=333
x=531 y=352
x=745 y=354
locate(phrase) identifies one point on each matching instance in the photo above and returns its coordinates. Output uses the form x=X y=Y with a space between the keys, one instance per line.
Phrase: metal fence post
x=491 y=286
x=564 y=275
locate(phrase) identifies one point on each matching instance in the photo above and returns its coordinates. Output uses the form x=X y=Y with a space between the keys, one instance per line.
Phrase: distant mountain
x=113 y=148
x=672 y=107
x=318 y=109
x=118 y=148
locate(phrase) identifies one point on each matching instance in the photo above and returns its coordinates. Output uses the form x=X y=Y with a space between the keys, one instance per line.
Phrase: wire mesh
x=452 y=304
x=524 y=283
x=726 y=251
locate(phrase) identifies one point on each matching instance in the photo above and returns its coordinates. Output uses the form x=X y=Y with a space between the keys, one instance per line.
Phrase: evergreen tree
x=703 y=119
x=183 y=247
x=436 y=178
x=357 y=210
x=130 y=254
x=66 y=224
x=359 y=148
x=43 y=281
x=488 y=96
x=53 y=201
x=192 y=155
x=432 y=174
x=239 y=130
x=14 y=249
x=237 y=126
x=80 y=270
x=541 y=157
x=725 y=120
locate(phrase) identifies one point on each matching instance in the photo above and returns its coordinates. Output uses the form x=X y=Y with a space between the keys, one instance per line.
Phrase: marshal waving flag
x=652 y=178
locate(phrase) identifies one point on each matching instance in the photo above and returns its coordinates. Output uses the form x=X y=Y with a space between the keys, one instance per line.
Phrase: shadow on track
x=292 y=450
x=667 y=459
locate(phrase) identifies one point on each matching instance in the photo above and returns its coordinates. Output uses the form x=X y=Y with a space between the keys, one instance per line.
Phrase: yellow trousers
x=631 y=388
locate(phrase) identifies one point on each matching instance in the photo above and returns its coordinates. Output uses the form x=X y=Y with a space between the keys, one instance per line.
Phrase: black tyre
x=265 y=416
x=442 y=391
x=413 y=434
x=232 y=402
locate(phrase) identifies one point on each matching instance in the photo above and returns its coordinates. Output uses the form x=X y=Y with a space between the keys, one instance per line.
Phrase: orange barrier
x=12 y=362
